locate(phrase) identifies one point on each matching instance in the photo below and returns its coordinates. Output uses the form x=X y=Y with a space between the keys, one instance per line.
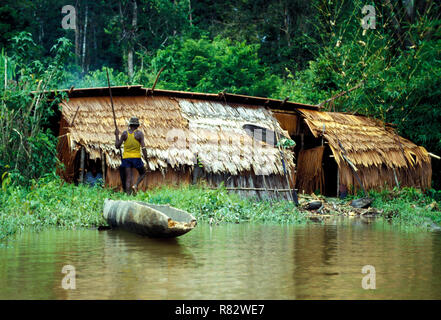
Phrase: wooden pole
x=396 y=179
x=111 y=99
x=82 y=159
x=113 y=109
x=121 y=170
x=338 y=181
x=103 y=166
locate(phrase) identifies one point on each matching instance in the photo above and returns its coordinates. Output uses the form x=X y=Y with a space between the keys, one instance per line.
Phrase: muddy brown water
x=231 y=261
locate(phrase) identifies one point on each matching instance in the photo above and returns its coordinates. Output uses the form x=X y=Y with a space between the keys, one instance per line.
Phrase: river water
x=231 y=261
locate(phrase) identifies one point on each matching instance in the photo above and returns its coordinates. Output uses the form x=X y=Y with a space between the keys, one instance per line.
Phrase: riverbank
x=51 y=202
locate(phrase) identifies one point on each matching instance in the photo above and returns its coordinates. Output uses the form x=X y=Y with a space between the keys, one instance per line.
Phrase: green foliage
x=222 y=206
x=50 y=202
x=286 y=143
x=212 y=66
x=27 y=150
x=96 y=78
x=408 y=207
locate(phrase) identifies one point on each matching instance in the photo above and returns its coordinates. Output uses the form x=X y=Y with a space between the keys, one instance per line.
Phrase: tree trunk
x=189 y=13
x=132 y=40
x=174 y=31
x=410 y=9
x=123 y=32
x=83 y=64
x=287 y=25
x=82 y=160
x=41 y=35
x=77 y=36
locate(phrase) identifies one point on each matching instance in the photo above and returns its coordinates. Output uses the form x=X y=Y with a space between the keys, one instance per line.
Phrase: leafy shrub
x=27 y=150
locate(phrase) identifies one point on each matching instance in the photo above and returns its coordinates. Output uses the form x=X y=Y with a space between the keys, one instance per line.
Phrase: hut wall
x=287 y=121
x=153 y=179
x=66 y=156
x=249 y=184
x=234 y=183
x=310 y=175
x=378 y=178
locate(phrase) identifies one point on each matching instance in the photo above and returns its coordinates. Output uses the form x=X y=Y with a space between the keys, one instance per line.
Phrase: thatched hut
x=189 y=137
x=332 y=146
x=195 y=136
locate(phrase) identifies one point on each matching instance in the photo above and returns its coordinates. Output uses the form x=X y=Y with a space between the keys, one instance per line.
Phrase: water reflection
x=329 y=260
x=243 y=261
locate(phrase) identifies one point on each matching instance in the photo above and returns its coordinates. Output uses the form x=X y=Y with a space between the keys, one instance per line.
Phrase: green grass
x=50 y=202
x=409 y=207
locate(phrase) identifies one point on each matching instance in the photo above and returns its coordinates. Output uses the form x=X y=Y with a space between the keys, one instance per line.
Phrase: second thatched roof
x=377 y=151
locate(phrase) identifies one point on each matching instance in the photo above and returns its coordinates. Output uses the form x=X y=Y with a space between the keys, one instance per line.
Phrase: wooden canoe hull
x=157 y=221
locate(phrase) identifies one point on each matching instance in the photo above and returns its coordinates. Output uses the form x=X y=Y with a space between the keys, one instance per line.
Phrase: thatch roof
x=372 y=147
x=178 y=132
x=138 y=90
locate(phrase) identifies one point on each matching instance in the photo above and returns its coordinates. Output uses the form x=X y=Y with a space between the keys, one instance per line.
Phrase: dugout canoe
x=156 y=221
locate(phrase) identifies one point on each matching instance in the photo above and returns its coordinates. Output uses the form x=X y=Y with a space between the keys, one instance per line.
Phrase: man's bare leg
x=128 y=172
x=122 y=175
x=142 y=173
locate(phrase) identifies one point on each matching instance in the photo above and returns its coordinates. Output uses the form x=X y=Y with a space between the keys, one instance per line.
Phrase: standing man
x=133 y=143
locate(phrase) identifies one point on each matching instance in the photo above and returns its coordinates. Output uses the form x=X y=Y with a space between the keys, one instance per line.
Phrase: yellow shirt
x=132 y=147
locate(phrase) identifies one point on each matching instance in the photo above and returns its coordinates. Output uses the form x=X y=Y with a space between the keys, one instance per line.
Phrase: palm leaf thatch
x=380 y=156
x=178 y=132
x=310 y=175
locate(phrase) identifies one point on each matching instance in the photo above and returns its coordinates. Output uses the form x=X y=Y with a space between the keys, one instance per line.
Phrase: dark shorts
x=132 y=163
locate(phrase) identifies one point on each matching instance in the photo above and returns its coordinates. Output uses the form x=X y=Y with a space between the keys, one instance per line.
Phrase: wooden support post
x=103 y=166
x=396 y=178
x=266 y=189
x=338 y=182
x=82 y=159
x=302 y=141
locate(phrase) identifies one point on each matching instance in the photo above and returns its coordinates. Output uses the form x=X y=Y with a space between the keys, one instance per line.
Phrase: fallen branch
x=320 y=105
x=150 y=91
